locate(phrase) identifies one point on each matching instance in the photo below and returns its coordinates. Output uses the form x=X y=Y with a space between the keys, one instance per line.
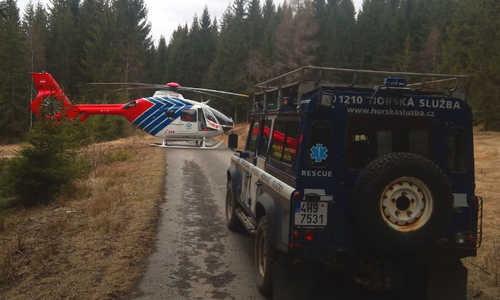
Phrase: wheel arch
x=266 y=206
x=234 y=176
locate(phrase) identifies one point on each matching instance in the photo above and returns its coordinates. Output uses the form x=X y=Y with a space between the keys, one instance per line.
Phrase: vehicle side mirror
x=233 y=141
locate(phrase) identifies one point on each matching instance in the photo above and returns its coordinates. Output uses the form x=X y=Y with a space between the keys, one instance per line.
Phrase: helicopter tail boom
x=48 y=87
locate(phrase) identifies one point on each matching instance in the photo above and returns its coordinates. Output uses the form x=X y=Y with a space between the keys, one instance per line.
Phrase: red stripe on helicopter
x=142 y=105
x=212 y=124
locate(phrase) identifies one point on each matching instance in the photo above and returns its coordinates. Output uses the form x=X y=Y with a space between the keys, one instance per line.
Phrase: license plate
x=309 y=213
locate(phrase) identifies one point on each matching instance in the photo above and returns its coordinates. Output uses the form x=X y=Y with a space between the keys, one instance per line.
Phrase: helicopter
x=166 y=115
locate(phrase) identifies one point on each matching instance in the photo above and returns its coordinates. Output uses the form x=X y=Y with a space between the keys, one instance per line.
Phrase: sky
x=166 y=15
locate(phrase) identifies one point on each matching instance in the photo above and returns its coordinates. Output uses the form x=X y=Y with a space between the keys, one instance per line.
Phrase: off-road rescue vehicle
x=369 y=171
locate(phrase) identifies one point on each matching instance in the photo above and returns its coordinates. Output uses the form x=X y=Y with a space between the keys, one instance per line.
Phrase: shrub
x=48 y=163
x=117 y=155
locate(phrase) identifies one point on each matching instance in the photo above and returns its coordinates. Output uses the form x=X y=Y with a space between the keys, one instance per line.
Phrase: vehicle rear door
x=323 y=209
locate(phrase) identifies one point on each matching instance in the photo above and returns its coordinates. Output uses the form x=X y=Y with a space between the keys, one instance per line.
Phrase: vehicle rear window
x=370 y=137
x=456 y=151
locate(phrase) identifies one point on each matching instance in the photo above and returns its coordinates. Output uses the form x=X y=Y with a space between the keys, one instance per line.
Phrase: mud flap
x=290 y=280
x=446 y=281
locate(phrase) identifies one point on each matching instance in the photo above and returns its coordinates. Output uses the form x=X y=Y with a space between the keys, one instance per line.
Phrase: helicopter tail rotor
x=50 y=101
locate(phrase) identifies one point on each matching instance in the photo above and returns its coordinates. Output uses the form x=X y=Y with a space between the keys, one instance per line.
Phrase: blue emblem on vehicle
x=319 y=153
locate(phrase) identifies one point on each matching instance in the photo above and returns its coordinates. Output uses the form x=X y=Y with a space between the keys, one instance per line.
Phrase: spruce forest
x=81 y=41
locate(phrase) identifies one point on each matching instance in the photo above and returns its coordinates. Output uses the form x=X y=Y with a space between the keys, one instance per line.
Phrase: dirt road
x=196 y=257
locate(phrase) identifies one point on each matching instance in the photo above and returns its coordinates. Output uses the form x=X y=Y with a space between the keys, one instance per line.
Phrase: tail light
x=309 y=236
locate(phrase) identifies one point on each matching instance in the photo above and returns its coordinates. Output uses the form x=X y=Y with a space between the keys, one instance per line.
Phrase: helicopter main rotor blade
x=212 y=91
x=166 y=87
x=134 y=84
x=206 y=94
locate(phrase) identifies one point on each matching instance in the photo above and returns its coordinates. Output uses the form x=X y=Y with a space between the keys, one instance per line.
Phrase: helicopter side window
x=130 y=104
x=188 y=115
x=170 y=114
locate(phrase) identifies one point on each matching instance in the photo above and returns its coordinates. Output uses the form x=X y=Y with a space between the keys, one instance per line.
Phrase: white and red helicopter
x=166 y=115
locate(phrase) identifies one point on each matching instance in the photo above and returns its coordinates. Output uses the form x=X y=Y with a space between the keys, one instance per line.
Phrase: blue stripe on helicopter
x=160 y=106
x=157 y=118
x=147 y=113
x=159 y=113
x=163 y=118
x=167 y=122
x=160 y=124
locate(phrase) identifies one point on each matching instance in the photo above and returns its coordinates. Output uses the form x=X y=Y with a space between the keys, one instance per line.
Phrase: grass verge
x=92 y=242
x=484 y=270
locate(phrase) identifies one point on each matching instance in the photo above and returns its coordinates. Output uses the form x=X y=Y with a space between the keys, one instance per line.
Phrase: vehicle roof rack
x=289 y=87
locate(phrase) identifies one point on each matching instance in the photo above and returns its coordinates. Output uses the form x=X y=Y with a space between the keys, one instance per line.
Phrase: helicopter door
x=202 y=124
x=210 y=120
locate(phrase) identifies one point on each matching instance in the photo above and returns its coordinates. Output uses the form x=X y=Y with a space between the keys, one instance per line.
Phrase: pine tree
x=161 y=60
x=133 y=38
x=14 y=78
x=294 y=38
x=473 y=47
x=64 y=43
x=35 y=28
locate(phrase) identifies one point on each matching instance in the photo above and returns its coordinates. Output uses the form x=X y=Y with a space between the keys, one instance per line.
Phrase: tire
x=232 y=220
x=264 y=257
x=401 y=201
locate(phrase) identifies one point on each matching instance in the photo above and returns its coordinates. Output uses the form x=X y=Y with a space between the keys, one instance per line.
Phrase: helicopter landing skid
x=201 y=145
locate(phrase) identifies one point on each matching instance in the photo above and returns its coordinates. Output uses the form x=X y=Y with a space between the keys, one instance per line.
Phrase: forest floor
x=92 y=242
x=484 y=270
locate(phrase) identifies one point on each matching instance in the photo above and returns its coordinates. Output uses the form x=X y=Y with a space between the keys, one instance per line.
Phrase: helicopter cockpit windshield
x=215 y=117
x=223 y=119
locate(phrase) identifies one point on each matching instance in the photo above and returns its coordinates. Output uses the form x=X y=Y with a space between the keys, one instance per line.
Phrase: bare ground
x=92 y=242
x=484 y=270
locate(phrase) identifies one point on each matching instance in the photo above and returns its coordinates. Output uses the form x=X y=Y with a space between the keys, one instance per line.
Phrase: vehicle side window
x=456 y=149
x=264 y=141
x=254 y=134
x=285 y=139
x=370 y=137
x=188 y=115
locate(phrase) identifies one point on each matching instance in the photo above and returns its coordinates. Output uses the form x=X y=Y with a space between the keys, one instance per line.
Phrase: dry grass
x=91 y=243
x=9 y=151
x=484 y=270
